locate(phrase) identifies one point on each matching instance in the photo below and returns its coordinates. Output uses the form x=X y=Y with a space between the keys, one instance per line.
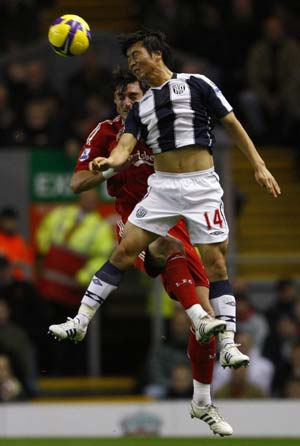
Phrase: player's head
x=128 y=89
x=144 y=50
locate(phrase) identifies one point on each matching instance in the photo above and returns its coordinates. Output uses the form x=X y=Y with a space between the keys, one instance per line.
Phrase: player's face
x=140 y=62
x=125 y=98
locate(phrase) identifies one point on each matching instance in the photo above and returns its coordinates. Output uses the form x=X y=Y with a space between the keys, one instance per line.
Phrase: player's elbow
x=75 y=185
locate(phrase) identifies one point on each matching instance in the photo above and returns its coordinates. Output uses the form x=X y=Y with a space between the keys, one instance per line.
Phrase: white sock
x=226 y=338
x=97 y=292
x=85 y=314
x=201 y=396
x=195 y=312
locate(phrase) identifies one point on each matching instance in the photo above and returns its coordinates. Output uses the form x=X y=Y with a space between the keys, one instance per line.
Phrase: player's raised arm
x=118 y=156
x=240 y=137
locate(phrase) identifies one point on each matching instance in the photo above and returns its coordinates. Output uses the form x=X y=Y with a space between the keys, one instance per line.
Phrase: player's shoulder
x=109 y=124
x=104 y=129
x=200 y=78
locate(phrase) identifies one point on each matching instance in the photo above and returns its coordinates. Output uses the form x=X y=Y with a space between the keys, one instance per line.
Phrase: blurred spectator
x=19 y=23
x=200 y=66
x=39 y=126
x=84 y=120
x=285 y=299
x=240 y=387
x=15 y=343
x=92 y=79
x=271 y=61
x=73 y=241
x=27 y=309
x=260 y=371
x=165 y=357
x=287 y=369
x=292 y=389
x=181 y=382
x=250 y=321
x=241 y=32
x=37 y=84
x=169 y=16
x=279 y=345
x=7 y=116
x=13 y=245
x=203 y=33
x=14 y=75
x=72 y=148
x=10 y=387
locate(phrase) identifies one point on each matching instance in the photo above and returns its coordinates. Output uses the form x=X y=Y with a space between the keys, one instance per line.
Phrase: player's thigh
x=204 y=210
x=133 y=241
x=163 y=247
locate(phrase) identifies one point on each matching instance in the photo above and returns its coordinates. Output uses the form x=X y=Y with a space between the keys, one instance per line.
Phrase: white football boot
x=230 y=356
x=210 y=415
x=207 y=327
x=72 y=329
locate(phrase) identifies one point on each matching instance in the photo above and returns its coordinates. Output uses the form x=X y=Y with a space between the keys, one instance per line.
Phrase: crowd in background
x=251 y=49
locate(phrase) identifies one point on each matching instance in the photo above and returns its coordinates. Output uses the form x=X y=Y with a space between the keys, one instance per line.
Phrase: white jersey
x=178 y=113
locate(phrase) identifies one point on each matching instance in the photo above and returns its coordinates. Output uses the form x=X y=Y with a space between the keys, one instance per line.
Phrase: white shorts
x=195 y=196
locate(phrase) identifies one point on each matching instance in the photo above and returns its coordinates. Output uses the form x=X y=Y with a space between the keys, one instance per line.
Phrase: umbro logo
x=97 y=281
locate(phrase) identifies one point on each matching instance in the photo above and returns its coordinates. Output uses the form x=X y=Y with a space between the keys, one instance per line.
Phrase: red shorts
x=195 y=265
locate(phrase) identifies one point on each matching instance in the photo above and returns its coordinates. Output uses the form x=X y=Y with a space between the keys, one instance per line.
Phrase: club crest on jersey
x=178 y=88
x=85 y=154
x=141 y=212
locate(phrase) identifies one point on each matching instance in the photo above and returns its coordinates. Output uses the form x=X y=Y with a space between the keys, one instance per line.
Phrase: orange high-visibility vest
x=18 y=253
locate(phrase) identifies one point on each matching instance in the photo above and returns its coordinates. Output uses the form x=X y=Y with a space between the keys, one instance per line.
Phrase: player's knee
x=123 y=257
x=218 y=270
x=166 y=246
x=215 y=267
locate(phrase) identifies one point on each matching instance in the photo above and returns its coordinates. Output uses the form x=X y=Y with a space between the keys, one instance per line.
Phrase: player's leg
x=208 y=229
x=180 y=284
x=105 y=280
x=222 y=301
x=202 y=357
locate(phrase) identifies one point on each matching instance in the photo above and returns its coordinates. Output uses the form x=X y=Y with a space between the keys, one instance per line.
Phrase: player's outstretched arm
x=240 y=137
x=118 y=156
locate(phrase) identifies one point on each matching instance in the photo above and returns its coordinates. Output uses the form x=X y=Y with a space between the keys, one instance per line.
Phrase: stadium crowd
x=258 y=48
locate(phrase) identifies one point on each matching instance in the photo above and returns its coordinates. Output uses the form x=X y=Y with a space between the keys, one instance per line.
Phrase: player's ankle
x=86 y=314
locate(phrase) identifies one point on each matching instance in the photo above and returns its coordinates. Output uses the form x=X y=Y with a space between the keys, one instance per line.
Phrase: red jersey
x=130 y=185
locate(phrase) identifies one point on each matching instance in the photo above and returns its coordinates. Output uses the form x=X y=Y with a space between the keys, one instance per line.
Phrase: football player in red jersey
x=173 y=257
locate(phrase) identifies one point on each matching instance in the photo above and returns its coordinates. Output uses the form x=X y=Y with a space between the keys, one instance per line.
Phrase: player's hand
x=99 y=164
x=264 y=177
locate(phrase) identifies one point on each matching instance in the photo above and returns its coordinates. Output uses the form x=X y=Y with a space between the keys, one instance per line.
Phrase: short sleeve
x=132 y=123
x=94 y=146
x=213 y=97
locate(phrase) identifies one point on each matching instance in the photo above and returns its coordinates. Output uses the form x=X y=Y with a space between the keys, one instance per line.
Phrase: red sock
x=178 y=281
x=202 y=357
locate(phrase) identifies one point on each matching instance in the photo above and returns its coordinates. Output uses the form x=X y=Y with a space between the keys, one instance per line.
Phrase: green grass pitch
x=142 y=441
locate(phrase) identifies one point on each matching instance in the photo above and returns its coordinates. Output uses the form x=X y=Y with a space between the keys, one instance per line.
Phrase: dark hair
x=4 y=262
x=9 y=212
x=121 y=77
x=282 y=284
x=151 y=40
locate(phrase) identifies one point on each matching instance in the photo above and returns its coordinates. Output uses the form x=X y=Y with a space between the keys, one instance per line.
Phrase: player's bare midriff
x=186 y=159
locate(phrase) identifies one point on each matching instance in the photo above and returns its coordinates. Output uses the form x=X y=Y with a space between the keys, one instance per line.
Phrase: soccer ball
x=69 y=35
